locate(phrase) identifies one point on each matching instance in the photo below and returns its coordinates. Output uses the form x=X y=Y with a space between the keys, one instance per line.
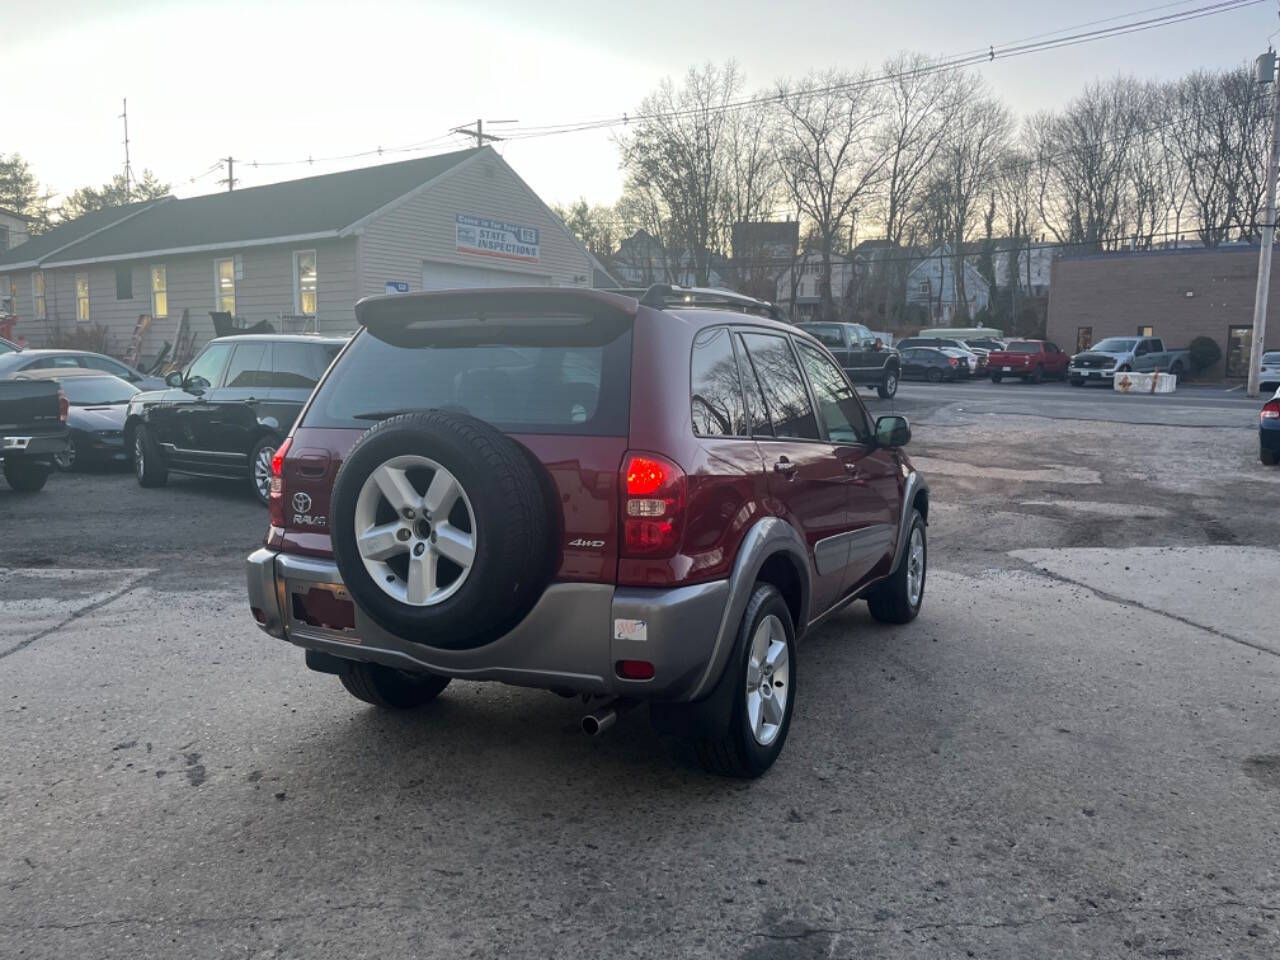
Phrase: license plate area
x=321 y=609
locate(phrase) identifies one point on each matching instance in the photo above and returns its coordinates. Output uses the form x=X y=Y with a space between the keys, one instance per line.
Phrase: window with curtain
x=38 y=308
x=224 y=273
x=304 y=282
x=82 y=298
x=159 y=291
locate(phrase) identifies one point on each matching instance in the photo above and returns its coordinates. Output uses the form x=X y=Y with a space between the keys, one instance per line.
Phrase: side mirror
x=893 y=431
x=174 y=379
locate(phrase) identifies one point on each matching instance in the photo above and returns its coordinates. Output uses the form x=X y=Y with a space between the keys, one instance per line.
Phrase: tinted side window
x=50 y=363
x=250 y=365
x=757 y=415
x=784 y=390
x=716 y=394
x=837 y=406
x=107 y=365
x=293 y=366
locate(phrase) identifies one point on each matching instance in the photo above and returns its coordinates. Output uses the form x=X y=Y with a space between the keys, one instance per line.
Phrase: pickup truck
x=1032 y=360
x=854 y=347
x=33 y=431
x=1101 y=362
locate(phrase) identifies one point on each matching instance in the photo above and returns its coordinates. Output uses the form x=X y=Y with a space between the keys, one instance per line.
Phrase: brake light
x=1271 y=411
x=652 y=505
x=275 y=498
x=951 y=361
x=64 y=406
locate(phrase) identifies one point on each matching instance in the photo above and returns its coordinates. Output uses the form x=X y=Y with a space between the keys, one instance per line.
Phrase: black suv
x=865 y=359
x=228 y=411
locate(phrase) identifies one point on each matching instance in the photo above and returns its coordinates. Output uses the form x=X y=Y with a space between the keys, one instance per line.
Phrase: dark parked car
x=228 y=411
x=633 y=500
x=97 y=403
x=930 y=363
x=33 y=431
x=866 y=359
x=27 y=360
x=1269 y=431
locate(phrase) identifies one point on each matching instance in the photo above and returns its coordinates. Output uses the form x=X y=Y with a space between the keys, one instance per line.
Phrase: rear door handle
x=786 y=467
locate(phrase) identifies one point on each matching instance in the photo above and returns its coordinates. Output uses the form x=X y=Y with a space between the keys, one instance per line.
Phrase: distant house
x=298 y=254
x=931 y=284
x=1034 y=263
x=642 y=260
x=804 y=277
x=13 y=229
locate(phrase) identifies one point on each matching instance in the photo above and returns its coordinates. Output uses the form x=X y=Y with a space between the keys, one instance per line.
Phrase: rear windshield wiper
x=388 y=414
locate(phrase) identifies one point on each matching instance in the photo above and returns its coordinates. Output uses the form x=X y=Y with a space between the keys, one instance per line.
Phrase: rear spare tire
x=441 y=529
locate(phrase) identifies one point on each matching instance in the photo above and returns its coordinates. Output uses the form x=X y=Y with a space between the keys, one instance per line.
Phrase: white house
x=298 y=254
x=931 y=284
x=806 y=275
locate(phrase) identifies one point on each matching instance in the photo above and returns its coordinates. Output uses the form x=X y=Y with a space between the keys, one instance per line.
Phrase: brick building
x=1173 y=294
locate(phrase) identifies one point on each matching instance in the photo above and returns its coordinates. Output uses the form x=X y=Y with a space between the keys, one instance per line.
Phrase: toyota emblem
x=301 y=503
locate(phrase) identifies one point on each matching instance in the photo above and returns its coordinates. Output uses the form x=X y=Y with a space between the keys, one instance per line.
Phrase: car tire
x=758 y=726
x=1037 y=375
x=25 y=476
x=70 y=460
x=499 y=509
x=392 y=689
x=260 y=480
x=933 y=375
x=1076 y=382
x=1268 y=457
x=996 y=378
x=898 y=598
x=148 y=462
x=888 y=388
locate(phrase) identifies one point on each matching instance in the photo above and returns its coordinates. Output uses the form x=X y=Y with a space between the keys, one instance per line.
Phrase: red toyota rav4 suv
x=636 y=500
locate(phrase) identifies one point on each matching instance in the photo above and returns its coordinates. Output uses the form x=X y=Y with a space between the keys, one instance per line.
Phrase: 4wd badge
x=588 y=544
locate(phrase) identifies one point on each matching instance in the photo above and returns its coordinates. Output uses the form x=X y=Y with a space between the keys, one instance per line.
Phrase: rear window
x=561 y=374
x=827 y=334
x=1023 y=346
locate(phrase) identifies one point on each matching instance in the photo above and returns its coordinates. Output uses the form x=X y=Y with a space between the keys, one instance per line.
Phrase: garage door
x=449 y=276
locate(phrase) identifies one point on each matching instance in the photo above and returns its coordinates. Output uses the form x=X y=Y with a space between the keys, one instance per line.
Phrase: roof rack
x=664 y=295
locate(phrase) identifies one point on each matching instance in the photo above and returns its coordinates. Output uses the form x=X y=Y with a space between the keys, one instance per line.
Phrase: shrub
x=1205 y=352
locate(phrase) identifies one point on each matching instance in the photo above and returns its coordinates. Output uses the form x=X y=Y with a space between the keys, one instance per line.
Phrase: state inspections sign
x=496 y=238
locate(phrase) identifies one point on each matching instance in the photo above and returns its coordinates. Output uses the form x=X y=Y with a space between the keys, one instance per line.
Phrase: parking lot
x=1072 y=752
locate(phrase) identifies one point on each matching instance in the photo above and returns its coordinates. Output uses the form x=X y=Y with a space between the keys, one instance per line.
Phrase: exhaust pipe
x=603 y=717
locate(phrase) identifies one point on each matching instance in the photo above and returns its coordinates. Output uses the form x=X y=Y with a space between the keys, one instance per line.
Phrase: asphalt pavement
x=1072 y=753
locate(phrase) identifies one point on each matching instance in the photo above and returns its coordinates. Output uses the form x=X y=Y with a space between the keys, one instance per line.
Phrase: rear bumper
x=25 y=445
x=568 y=640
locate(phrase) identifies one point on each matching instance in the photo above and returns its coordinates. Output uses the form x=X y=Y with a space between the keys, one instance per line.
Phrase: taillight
x=64 y=407
x=653 y=491
x=275 y=498
x=951 y=361
x=1271 y=411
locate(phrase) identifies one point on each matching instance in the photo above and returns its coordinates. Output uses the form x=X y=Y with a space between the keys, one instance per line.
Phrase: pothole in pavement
x=1049 y=473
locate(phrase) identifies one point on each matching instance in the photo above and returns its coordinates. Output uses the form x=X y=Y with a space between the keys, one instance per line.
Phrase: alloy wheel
x=915 y=567
x=139 y=456
x=262 y=471
x=768 y=680
x=415 y=530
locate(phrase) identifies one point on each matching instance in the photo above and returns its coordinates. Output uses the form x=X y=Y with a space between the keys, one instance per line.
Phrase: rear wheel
x=260 y=467
x=25 y=476
x=148 y=466
x=934 y=375
x=1037 y=375
x=888 y=384
x=996 y=378
x=1268 y=457
x=67 y=460
x=898 y=599
x=392 y=689
x=765 y=679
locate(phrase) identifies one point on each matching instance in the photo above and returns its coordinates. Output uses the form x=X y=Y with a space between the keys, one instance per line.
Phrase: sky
x=279 y=82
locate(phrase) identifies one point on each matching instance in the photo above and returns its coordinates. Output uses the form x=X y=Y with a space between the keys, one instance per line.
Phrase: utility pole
x=478 y=131
x=1265 y=72
x=230 y=179
x=128 y=171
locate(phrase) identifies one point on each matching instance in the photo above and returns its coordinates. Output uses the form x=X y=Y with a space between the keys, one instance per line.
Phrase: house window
x=304 y=282
x=224 y=278
x=159 y=291
x=124 y=283
x=4 y=238
x=1146 y=331
x=6 y=295
x=38 y=309
x=82 y=298
x=925 y=287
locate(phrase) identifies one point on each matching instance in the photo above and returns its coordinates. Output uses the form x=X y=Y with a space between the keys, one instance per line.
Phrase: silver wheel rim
x=138 y=455
x=68 y=460
x=415 y=530
x=262 y=471
x=768 y=680
x=915 y=567
x=890 y=384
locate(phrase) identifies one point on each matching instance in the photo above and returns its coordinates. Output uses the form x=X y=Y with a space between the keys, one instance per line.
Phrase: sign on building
x=483 y=237
x=396 y=286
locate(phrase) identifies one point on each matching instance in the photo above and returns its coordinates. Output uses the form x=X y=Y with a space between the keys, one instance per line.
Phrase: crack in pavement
x=76 y=615
x=204 y=921
x=1138 y=605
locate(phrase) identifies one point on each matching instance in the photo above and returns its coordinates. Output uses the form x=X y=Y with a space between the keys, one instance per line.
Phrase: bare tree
x=677 y=155
x=752 y=189
x=826 y=156
x=1205 y=141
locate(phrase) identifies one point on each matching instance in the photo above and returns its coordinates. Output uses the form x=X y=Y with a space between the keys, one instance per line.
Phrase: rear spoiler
x=662 y=296
x=404 y=307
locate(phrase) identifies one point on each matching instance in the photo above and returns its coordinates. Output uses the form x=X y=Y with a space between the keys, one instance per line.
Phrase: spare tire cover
x=441 y=529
